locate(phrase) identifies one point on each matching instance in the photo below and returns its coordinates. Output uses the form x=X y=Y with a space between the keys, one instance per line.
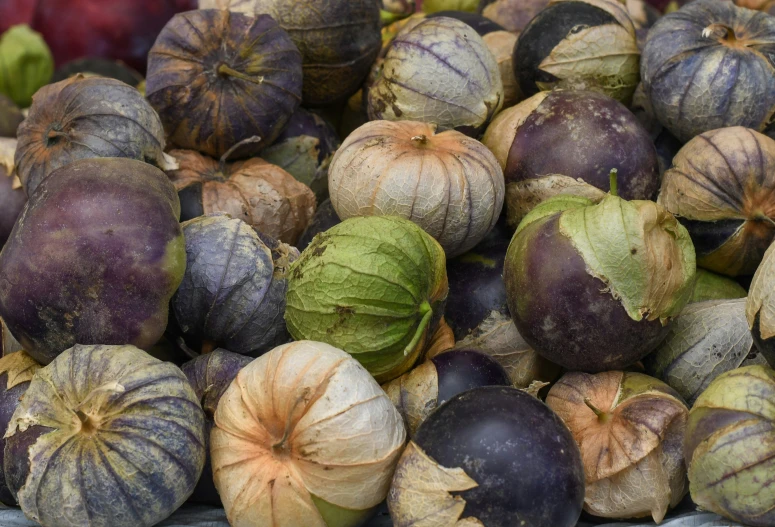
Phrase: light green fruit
x=433 y=6
x=372 y=286
x=730 y=446
x=26 y=64
x=711 y=286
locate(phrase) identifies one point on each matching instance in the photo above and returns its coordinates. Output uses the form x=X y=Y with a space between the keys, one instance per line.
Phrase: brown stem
x=208 y=346
x=760 y=216
x=224 y=69
x=230 y=151
x=54 y=134
x=720 y=31
x=420 y=139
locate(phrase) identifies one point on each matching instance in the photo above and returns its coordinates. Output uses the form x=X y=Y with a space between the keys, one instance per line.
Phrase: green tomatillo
x=372 y=286
x=26 y=64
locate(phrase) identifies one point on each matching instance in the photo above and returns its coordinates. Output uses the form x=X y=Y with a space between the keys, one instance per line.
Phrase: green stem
x=427 y=312
x=612 y=178
x=603 y=416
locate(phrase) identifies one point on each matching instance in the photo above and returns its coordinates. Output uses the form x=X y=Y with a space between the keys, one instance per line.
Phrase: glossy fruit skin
x=210 y=72
x=476 y=287
x=597 y=134
x=563 y=312
x=120 y=30
x=528 y=466
x=94 y=258
x=12 y=203
x=210 y=375
x=462 y=370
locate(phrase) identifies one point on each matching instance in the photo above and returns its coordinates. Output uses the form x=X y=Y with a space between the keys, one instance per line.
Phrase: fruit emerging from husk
x=105 y=436
x=373 y=286
x=592 y=287
x=305 y=149
x=26 y=64
x=438 y=71
x=760 y=306
x=16 y=371
x=705 y=340
x=629 y=428
x=82 y=118
x=263 y=195
x=210 y=375
x=12 y=197
x=513 y=15
x=217 y=78
x=579 y=45
x=722 y=187
x=484 y=458
x=728 y=446
x=233 y=292
x=304 y=436
x=447 y=183
x=501 y=45
x=589 y=133
x=420 y=391
x=708 y=66
x=94 y=258
x=338 y=40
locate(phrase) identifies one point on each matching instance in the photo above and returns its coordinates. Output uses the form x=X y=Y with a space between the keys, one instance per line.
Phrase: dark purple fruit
x=515 y=464
x=479 y=23
x=16 y=371
x=325 y=217
x=210 y=375
x=90 y=66
x=94 y=258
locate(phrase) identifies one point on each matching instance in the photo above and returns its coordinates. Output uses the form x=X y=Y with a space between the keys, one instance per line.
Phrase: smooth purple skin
x=461 y=370
x=476 y=286
x=210 y=375
x=229 y=297
x=16 y=459
x=584 y=135
x=521 y=454
x=9 y=400
x=85 y=263
x=11 y=205
x=563 y=312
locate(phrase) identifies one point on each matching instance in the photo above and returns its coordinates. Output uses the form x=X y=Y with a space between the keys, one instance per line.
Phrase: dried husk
x=631 y=451
x=105 y=425
x=447 y=183
x=415 y=394
x=233 y=292
x=708 y=66
x=81 y=118
x=262 y=194
x=375 y=286
x=217 y=78
x=12 y=196
x=524 y=196
x=499 y=338
x=501 y=45
x=729 y=443
x=725 y=176
x=438 y=71
x=514 y=15
x=338 y=40
x=760 y=305
x=304 y=436
x=705 y=340
x=8 y=344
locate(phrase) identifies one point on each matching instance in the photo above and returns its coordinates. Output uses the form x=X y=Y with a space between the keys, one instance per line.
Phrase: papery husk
x=705 y=340
x=523 y=196
x=500 y=134
x=711 y=286
x=421 y=494
x=18 y=367
x=303 y=432
x=415 y=394
x=639 y=250
x=501 y=44
x=726 y=174
x=8 y=344
x=761 y=296
x=632 y=454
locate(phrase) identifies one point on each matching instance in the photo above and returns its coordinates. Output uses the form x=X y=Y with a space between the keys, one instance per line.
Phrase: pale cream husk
x=415 y=394
x=448 y=183
x=503 y=129
x=761 y=296
x=523 y=196
x=302 y=424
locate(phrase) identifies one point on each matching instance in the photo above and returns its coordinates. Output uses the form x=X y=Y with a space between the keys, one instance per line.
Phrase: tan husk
x=19 y=367
x=415 y=394
x=523 y=196
x=761 y=296
x=421 y=492
x=304 y=422
x=501 y=45
x=447 y=183
x=263 y=195
x=629 y=428
x=498 y=337
x=725 y=174
x=442 y=340
x=8 y=344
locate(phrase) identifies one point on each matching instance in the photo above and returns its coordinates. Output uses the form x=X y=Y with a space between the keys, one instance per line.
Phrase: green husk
x=26 y=64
